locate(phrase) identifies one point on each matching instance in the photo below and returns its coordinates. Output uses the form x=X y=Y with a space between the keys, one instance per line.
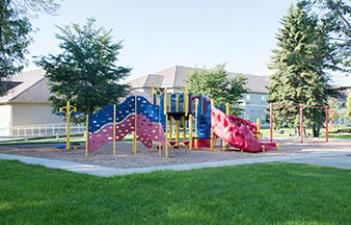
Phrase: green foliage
x=342 y=130
x=348 y=107
x=336 y=15
x=334 y=114
x=273 y=193
x=15 y=29
x=85 y=72
x=30 y=7
x=14 y=40
x=215 y=85
x=299 y=63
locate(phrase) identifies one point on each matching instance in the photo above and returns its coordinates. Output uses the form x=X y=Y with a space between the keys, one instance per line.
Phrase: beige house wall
x=33 y=113
x=5 y=116
x=146 y=92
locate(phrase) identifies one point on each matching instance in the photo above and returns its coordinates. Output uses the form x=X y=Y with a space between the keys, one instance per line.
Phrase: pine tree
x=85 y=72
x=299 y=63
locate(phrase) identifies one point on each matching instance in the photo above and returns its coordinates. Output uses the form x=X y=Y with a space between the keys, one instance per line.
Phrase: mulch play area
x=150 y=158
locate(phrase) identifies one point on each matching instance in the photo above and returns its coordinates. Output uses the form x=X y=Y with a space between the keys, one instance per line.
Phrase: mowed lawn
x=274 y=193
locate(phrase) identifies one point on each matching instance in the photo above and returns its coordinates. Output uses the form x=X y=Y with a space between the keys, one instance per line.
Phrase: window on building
x=248 y=97
x=263 y=98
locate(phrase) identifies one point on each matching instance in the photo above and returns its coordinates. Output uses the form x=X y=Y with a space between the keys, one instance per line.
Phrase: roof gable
x=37 y=93
x=175 y=77
x=146 y=81
x=33 y=87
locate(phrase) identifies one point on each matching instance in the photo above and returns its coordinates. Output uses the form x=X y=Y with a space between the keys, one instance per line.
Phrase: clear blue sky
x=161 y=33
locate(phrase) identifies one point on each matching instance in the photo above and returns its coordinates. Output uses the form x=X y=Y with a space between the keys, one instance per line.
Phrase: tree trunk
x=297 y=131
x=316 y=130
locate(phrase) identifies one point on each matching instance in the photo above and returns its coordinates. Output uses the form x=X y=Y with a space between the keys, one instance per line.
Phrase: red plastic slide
x=237 y=132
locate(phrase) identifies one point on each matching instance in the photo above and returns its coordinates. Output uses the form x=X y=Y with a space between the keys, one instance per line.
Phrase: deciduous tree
x=15 y=29
x=348 y=107
x=85 y=72
x=214 y=84
x=336 y=15
x=14 y=40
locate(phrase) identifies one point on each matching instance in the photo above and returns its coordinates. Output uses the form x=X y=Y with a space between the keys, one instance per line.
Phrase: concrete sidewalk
x=339 y=159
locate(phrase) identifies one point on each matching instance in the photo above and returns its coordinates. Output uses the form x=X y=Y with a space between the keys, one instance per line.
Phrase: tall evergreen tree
x=299 y=64
x=85 y=72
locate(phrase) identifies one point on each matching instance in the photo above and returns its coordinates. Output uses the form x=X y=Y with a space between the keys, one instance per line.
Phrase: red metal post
x=271 y=122
x=301 y=123
x=326 y=124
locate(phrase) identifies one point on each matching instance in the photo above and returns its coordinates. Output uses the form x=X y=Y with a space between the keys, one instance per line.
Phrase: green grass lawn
x=288 y=131
x=60 y=140
x=250 y=194
x=42 y=141
x=340 y=136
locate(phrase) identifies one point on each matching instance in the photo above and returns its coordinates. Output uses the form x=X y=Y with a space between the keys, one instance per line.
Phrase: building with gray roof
x=25 y=102
x=174 y=79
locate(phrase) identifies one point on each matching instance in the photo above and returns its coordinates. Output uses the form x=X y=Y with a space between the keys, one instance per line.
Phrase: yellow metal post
x=196 y=118
x=186 y=103
x=68 y=121
x=165 y=102
x=166 y=147
x=114 y=130
x=68 y=109
x=258 y=126
x=86 y=136
x=212 y=134
x=184 y=130
x=177 y=132
x=190 y=132
x=170 y=134
x=177 y=121
x=160 y=127
x=152 y=92
x=227 y=112
x=135 y=126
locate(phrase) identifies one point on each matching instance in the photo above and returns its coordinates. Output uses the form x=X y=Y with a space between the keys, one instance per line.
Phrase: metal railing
x=41 y=130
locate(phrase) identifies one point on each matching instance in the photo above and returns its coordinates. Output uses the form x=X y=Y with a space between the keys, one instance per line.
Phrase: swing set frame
x=301 y=108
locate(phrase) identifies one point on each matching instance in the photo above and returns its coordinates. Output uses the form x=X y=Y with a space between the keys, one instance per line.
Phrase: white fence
x=41 y=130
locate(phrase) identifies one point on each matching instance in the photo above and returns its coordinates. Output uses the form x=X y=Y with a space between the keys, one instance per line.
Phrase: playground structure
x=68 y=110
x=301 y=120
x=151 y=123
